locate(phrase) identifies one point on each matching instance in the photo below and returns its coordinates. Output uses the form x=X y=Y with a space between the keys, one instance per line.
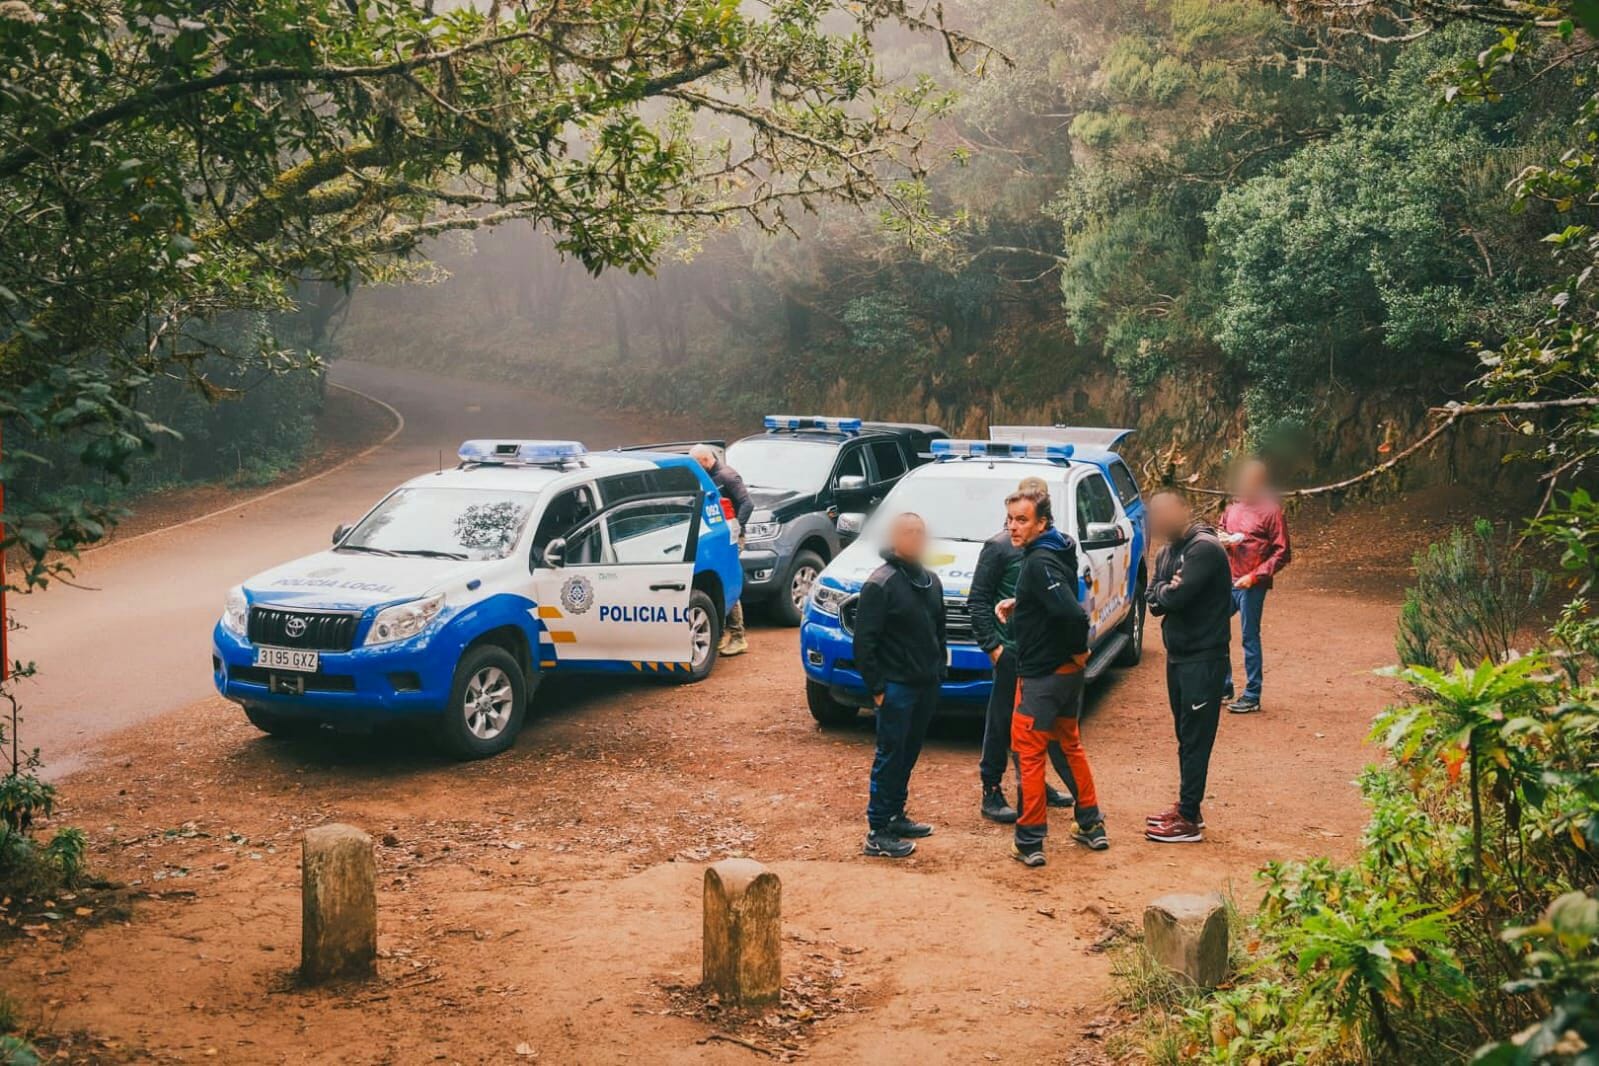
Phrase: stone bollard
x=338 y=904
x=1188 y=935
x=743 y=932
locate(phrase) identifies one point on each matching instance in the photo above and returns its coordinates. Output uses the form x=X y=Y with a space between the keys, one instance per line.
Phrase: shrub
x=1473 y=599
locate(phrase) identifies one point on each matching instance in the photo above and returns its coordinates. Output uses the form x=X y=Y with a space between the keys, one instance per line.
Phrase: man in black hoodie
x=1051 y=631
x=901 y=654
x=993 y=580
x=1192 y=595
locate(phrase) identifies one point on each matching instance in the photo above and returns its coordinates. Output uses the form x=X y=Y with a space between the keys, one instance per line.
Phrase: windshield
x=953 y=508
x=444 y=523
x=783 y=463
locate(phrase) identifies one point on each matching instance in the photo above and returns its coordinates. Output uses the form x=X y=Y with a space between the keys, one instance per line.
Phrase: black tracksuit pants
x=996 y=732
x=1195 y=691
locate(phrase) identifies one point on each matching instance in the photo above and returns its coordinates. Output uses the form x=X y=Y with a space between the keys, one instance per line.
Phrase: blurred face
x=907 y=537
x=1021 y=519
x=1169 y=515
x=1252 y=480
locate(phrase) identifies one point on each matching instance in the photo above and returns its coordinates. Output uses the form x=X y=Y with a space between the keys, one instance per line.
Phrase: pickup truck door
x=619 y=598
x=1105 y=559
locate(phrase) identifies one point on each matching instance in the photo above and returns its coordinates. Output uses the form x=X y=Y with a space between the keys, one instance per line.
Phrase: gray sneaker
x=881 y=843
x=1027 y=856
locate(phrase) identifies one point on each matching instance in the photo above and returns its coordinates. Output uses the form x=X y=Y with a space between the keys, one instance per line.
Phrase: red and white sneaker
x=1175 y=830
x=1167 y=815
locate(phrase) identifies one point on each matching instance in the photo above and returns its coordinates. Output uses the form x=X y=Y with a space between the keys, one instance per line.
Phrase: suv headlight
x=762 y=531
x=404 y=620
x=236 y=612
x=827 y=599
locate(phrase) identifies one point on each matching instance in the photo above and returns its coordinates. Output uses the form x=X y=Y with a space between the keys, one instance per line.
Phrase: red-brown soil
x=543 y=906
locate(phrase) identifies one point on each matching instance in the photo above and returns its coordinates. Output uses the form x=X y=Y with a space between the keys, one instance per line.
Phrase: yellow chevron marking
x=547 y=663
x=563 y=636
x=549 y=611
x=638 y=665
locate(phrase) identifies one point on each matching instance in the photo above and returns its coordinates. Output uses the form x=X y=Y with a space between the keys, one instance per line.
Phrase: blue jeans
x=1247 y=605
x=902 y=723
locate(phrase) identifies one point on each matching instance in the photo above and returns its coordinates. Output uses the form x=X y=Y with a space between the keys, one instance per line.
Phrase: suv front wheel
x=487 y=703
x=796 y=588
x=827 y=711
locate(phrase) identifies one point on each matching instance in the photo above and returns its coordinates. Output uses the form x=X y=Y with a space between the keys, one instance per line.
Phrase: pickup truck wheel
x=487 y=703
x=827 y=711
x=275 y=724
x=705 y=634
x=796 y=588
x=1132 y=628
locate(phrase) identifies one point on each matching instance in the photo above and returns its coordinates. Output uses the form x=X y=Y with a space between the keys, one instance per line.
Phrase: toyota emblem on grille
x=294 y=627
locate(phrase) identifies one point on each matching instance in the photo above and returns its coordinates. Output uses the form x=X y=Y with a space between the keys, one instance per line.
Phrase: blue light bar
x=832 y=425
x=536 y=452
x=998 y=449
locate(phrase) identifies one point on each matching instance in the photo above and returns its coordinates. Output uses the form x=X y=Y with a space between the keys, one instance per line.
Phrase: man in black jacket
x=731 y=484
x=1051 y=630
x=901 y=653
x=993 y=580
x=1191 y=594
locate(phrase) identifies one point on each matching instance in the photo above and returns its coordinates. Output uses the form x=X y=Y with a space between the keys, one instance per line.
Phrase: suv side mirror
x=555 y=553
x=341 y=531
x=851 y=483
x=849 y=523
x=1104 y=535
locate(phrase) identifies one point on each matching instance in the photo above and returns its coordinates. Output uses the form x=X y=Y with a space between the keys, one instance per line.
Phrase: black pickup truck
x=814 y=479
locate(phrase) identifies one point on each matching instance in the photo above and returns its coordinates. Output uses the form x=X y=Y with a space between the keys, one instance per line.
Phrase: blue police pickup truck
x=961 y=495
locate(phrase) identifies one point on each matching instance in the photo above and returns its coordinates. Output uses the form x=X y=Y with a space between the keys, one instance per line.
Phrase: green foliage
x=162 y=166
x=1474 y=598
x=15 y=1051
x=1562 y=967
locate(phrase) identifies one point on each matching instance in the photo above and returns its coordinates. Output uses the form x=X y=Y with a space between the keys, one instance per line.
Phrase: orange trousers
x=1032 y=746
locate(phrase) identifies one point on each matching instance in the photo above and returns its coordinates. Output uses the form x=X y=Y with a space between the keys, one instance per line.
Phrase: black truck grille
x=312 y=630
x=958 y=622
x=957 y=619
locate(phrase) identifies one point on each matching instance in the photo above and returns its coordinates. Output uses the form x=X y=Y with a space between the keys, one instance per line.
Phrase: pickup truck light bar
x=529 y=452
x=832 y=425
x=995 y=449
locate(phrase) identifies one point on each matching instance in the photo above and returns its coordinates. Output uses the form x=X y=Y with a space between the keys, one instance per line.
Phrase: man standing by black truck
x=1192 y=595
x=994 y=580
x=901 y=653
x=732 y=487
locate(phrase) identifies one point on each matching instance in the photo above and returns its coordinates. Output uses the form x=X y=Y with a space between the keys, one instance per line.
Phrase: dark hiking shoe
x=1244 y=706
x=1092 y=836
x=1167 y=815
x=902 y=826
x=883 y=844
x=995 y=809
x=1054 y=797
x=1227 y=693
x=1027 y=856
x=1175 y=830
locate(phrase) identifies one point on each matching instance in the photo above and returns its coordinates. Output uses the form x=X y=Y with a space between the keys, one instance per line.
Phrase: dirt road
x=543 y=906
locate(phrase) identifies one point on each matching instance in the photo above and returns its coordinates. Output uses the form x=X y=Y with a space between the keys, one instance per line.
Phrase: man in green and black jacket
x=993 y=580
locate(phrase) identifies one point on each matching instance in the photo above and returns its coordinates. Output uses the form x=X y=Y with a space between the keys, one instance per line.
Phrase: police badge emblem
x=577 y=595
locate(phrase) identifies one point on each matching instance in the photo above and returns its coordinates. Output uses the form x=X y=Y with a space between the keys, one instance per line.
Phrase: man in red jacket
x=1256 y=537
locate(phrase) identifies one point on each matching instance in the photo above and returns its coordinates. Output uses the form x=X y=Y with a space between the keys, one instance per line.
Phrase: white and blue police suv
x=462 y=588
x=961 y=495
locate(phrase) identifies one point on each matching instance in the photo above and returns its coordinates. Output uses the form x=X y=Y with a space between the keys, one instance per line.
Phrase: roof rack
x=520 y=452
x=779 y=423
x=1082 y=436
x=993 y=449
